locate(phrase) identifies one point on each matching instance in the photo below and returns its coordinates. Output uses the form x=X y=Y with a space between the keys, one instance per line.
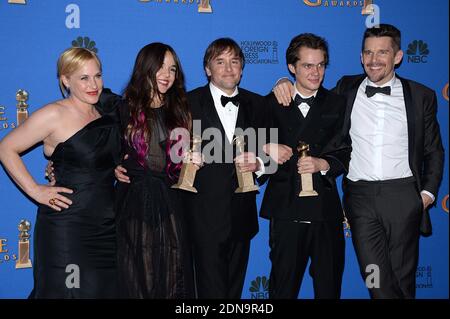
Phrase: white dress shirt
x=379 y=133
x=303 y=107
x=228 y=116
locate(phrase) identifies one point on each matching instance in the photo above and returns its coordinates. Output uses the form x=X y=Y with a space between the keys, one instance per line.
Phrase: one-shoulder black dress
x=75 y=249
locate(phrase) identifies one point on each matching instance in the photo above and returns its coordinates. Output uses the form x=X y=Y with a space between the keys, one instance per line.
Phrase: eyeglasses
x=310 y=66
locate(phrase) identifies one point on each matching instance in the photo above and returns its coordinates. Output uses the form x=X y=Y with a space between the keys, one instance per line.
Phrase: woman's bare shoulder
x=53 y=110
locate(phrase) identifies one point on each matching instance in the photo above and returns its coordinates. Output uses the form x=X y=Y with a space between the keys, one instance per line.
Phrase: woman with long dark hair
x=153 y=255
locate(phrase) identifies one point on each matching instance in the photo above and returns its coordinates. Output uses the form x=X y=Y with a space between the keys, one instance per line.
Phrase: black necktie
x=372 y=90
x=226 y=99
x=299 y=100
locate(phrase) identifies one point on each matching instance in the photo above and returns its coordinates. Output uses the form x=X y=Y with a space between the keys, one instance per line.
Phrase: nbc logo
x=259 y=288
x=417 y=52
x=86 y=43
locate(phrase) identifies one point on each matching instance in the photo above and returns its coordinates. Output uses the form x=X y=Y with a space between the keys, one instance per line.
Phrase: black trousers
x=220 y=268
x=292 y=243
x=384 y=218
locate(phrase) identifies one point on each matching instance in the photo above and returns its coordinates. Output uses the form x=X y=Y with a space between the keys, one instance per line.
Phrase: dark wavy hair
x=307 y=40
x=384 y=30
x=141 y=91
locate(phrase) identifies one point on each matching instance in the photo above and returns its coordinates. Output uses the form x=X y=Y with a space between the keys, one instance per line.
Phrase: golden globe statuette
x=245 y=180
x=22 y=106
x=189 y=169
x=368 y=8
x=204 y=6
x=24 y=245
x=307 y=188
x=445 y=92
x=347 y=228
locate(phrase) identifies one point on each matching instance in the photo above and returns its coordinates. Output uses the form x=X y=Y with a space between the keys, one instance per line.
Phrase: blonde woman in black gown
x=74 y=236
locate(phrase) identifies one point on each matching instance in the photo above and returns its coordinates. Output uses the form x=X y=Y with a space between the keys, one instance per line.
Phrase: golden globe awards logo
x=366 y=4
x=203 y=6
x=21 y=111
x=4 y=122
x=6 y=255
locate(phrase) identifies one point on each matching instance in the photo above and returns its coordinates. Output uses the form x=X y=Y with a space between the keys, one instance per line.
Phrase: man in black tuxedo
x=303 y=228
x=222 y=222
x=396 y=165
x=394 y=176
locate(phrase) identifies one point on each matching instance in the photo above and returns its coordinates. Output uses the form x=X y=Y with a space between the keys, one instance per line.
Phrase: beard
x=376 y=75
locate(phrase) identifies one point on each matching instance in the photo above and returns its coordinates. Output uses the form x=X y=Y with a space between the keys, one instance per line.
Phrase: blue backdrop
x=34 y=33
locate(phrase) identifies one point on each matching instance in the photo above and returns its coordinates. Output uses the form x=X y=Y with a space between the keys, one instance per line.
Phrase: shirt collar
x=217 y=93
x=390 y=83
x=303 y=96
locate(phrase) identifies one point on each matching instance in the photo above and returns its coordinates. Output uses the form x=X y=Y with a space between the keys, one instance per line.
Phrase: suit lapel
x=242 y=113
x=350 y=95
x=410 y=118
x=211 y=116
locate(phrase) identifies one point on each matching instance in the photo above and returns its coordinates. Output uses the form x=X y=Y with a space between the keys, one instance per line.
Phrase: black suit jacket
x=217 y=212
x=322 y=130
x=426 y=153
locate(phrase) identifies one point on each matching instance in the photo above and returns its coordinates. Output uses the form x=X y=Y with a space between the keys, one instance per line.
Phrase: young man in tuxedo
x=303 y=228
x=396 y=164
x=222 y=222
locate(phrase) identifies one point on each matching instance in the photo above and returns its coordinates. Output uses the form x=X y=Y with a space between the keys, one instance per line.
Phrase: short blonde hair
x=71 y=60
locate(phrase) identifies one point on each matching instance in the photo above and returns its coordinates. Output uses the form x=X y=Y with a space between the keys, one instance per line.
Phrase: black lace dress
x=153 y=250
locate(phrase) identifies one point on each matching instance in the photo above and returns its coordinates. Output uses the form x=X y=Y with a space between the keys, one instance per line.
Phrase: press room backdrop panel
x=34 y=33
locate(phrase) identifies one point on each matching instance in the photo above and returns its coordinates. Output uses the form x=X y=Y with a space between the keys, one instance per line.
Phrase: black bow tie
x=225 y=99
x=372 y=90
x=299 y=100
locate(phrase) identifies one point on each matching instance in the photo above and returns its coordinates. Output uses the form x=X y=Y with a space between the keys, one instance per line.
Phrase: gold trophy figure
x=24 y=245
x=307 y=188
x=368 y=8
x=189 y=169
x=204 y=7
x=22 y=106
x=347 y=228
x=246 y=182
